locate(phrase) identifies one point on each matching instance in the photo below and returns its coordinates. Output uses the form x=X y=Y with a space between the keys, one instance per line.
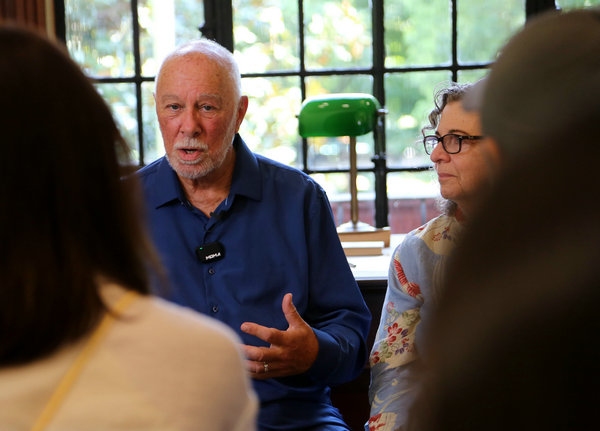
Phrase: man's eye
x=173 y=107
x=207 y=108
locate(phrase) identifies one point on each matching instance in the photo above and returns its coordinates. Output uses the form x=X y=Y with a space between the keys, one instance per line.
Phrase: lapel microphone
x=211 y=252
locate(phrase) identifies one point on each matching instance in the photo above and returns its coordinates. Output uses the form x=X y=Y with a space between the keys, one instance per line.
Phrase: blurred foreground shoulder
x=189 y=364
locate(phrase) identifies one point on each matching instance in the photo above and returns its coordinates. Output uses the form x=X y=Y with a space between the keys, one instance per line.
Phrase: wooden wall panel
x=31 y=13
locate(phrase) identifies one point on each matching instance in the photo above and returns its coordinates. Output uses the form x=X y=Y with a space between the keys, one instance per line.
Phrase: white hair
x=211 y=49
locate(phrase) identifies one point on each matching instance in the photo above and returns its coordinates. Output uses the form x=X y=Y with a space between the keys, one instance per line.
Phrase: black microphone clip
x=211 y=252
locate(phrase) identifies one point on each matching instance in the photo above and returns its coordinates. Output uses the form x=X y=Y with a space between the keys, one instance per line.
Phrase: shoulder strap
x=73 y=372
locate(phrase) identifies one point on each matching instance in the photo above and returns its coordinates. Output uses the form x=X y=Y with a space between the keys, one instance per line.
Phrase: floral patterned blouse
x=414 y=276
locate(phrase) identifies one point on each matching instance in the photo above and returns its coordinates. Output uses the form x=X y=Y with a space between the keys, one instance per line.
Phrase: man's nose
x=190 y=126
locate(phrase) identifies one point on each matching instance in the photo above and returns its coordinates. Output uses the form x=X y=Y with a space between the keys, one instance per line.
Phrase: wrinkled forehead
x=200 y=66
x=455 y=119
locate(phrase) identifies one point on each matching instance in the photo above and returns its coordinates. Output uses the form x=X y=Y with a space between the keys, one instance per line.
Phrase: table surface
x=374 y=268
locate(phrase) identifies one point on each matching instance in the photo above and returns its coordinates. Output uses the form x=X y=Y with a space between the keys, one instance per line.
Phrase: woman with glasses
x=522 y=290
x=463 y=159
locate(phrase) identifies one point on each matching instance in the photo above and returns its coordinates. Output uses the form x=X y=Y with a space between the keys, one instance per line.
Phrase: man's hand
x=291 y=352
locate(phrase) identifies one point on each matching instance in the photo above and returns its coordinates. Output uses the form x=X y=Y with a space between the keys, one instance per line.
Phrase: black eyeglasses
x=451 y=142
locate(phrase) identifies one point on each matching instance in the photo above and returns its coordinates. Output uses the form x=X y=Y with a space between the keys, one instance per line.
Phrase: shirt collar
x=246 y=180
x=164 y=186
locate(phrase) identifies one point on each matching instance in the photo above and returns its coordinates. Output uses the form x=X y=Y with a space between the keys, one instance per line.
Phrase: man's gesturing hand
x=291 y=352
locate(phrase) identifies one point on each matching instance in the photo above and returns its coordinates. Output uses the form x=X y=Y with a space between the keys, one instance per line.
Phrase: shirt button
x=211 y=271
x=215 y=308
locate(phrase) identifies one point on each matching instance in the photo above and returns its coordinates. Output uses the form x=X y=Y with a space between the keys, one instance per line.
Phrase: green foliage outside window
x=338 y=35
x=576 y=4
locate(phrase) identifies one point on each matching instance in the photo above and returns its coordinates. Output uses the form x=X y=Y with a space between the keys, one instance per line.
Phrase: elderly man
x=252 y=243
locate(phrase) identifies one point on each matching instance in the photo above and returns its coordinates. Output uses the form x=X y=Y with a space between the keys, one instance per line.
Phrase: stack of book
x=363 y=248
x=369 y=242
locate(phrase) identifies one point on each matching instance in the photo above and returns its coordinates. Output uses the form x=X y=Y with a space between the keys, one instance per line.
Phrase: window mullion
x=533 y=7
x=379 y=156
x=218 y=22
x=454 y=23
x=302 y=65
x=138 y=80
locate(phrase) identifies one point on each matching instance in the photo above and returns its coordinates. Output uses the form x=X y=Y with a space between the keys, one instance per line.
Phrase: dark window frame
x=218 y=25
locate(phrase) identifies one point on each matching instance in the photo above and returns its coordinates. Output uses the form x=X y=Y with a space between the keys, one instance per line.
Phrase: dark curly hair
x=451 y=92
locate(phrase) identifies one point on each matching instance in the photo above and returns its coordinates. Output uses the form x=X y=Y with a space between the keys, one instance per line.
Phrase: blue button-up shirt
x=277 y=235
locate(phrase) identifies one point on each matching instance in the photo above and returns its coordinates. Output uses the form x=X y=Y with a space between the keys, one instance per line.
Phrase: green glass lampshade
x=346 y=114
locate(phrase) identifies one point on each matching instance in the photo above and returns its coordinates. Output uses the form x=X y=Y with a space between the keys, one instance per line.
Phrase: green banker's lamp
x=345 y=114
